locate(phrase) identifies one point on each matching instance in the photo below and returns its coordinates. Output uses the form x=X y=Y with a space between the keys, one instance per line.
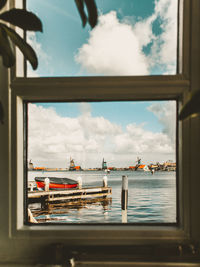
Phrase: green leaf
x=6 y=50
x=191 y=107
x=92 y=12
x=1 y=113
x=80 y=7
x=23 y=19
x=25 y=48
x=2 y=3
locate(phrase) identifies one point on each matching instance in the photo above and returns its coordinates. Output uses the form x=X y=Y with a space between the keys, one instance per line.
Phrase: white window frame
x=114 y=88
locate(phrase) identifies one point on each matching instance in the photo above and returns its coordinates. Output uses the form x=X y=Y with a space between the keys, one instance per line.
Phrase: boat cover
x=56 y=180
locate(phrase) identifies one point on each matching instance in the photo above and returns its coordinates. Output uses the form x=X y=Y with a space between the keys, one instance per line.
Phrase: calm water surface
x=151 y=198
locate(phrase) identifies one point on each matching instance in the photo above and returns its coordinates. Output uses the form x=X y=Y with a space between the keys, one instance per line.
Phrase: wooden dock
x=67 y=196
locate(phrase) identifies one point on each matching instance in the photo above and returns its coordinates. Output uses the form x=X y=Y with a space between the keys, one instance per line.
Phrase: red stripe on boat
x=52 y=185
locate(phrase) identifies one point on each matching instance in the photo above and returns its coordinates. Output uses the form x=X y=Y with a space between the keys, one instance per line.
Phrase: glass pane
x=132 y=37
x=104 y=148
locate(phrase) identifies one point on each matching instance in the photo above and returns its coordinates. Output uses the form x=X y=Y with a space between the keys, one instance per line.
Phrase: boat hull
x=56 y=183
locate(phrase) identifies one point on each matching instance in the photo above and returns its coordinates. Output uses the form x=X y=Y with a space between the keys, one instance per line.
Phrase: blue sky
x=133 y=37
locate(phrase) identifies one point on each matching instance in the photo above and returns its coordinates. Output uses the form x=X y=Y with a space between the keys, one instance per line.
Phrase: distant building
x=73 y=167
x=40 y=168
x=154 y=166
x=104 y=165
x=112 y=168
x=132 y=167
x=30 y=165
x=138 y=166
x=141 y=167
x=138 y=161
x=77 y=168
x=169 y=165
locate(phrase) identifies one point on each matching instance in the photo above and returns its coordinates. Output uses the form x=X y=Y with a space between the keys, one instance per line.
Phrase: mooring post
x=124 y=198
x=46 y=184
x=79 y=179
x=105 y=181
x=31 y=187
x=31 y=219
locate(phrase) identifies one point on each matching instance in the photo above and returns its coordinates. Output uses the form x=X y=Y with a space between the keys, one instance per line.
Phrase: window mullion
x=101 y=88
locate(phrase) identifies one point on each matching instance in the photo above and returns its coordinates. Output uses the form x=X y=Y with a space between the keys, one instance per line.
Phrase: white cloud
x=53 y=139
x=143 y=30
x=113 y=49
x=137 y=140
x=164 y=49
x=41 y=54
x=166 y=114
x=116 y=47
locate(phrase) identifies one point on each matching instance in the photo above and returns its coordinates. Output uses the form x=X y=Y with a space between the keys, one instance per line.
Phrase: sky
x=119 y=132
x=132 y=37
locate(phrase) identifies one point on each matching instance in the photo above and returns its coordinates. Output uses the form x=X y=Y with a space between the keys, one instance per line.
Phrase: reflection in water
x=59 y=212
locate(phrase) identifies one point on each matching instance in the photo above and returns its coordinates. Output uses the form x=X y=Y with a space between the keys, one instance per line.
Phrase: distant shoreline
x=120 y=169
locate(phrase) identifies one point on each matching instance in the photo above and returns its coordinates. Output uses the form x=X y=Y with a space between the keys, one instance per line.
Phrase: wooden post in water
x=105 y=181
x=46 y=186
x=79 y=179
x=31 y=219
x=31 y=187
x=124 y=198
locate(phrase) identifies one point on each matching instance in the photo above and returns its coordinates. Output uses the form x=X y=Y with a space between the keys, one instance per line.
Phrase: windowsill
x=98 y=234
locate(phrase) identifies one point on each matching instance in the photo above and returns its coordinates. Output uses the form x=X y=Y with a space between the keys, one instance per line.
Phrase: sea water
x=151 y=198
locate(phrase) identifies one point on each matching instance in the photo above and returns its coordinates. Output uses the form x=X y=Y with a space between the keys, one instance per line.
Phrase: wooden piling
x=46 y=182
x=124 y=198
x=31 y=218
x=31 y=186
x=105 y=181
x=79 y=182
